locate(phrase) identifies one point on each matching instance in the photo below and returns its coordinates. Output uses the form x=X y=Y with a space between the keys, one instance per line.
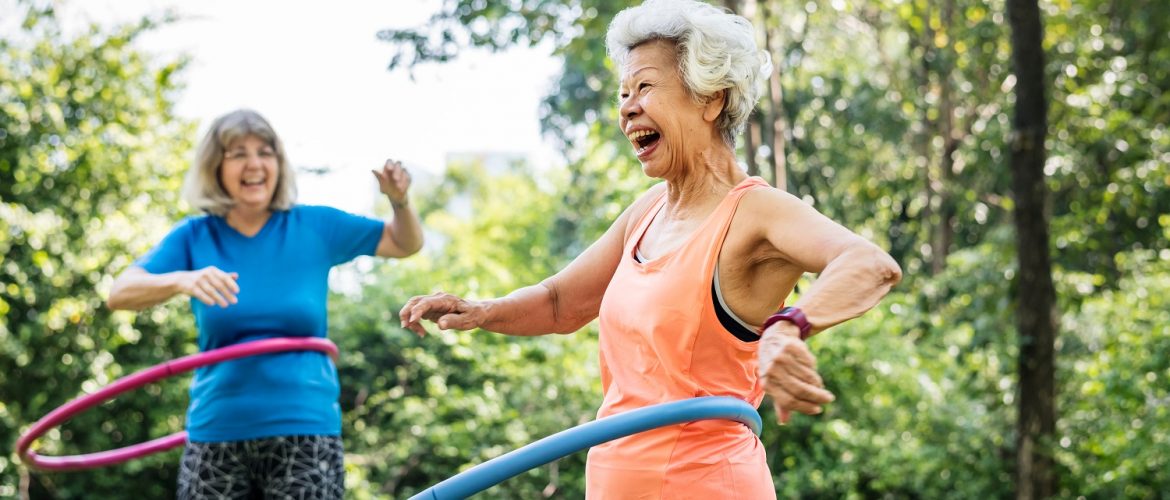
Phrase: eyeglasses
x=241 y=155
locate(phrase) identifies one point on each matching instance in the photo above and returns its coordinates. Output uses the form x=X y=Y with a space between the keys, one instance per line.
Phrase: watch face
x=795 y=316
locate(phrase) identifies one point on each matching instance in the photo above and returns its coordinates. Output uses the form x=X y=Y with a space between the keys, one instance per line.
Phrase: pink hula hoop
x=139 y=379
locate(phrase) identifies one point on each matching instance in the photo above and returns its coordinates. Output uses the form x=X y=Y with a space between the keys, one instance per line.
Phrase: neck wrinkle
x=705 y=180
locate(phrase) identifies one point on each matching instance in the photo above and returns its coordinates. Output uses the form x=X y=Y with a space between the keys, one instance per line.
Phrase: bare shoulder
x=638 y=208
x=769 y=198
x=789 y=228
x=766 y=206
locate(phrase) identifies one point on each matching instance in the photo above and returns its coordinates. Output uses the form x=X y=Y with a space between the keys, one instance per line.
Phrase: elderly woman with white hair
x=690 y=281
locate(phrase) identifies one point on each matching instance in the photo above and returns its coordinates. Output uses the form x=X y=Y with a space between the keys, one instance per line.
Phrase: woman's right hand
x=445 y=310
x=211 y=286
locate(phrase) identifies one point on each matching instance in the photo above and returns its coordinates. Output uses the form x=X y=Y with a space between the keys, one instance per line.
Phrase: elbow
x=870 y=264
x=116 y=303
x=121 y=299
x=571 y=326
x=401 y=252
x=398 y=247
x=565 y=320
x=572 y=321
x=887 y=270
x=416 y=247
x=114 y=300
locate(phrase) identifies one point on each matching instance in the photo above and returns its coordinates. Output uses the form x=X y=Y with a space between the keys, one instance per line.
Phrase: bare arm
x=562 y=303
x=854 y=275
x=853 y=282
x=401 y=236
x=136 y=289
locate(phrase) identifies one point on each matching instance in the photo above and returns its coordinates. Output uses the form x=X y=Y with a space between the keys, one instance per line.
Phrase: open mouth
x=252 y=182
x=643 y=140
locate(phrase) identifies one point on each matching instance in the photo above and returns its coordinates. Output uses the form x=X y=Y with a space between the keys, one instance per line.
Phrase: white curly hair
x=716 y=51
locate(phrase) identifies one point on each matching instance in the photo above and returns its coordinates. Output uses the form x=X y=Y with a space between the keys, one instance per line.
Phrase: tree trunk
x=779 y=125
x=779 y=129
x=944 y=231
x=1035 y=320
x=779 y=145
x=751 y=144
x=930 y=185
x=751 y=133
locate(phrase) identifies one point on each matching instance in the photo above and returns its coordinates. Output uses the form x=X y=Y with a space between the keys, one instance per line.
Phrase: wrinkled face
x=657 y=113
x=249 y=172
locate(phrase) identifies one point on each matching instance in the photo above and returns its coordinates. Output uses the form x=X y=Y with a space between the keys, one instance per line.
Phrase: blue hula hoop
x=569 y=441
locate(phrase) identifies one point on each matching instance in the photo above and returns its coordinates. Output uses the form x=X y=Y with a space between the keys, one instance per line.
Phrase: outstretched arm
x=562 y=303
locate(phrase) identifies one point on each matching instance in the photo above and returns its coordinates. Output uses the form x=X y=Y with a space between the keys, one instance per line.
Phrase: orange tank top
x=661 y=341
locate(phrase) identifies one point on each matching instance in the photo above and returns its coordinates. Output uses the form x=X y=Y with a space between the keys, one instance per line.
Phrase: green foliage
x=90 y=156
x=1111 y=145
x=579 y=113
x=1115 y=400
x=419 y=410
x=898 y=115
x=924 y=388
x=90 y=162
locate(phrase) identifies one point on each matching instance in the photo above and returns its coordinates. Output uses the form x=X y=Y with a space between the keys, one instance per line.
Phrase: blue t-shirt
x=283 y=279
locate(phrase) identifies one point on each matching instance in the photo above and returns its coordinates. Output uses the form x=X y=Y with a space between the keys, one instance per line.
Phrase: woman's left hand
x=790 y=373
x=393 y=181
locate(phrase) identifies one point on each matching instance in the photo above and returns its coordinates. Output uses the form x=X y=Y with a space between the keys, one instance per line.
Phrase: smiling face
x=668 y=128
x=249 y=172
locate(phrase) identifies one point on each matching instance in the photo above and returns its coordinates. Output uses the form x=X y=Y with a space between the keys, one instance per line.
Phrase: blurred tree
x=893 y=119
x=419 y=410
x=890 y=116
x=90 y=161
x=1115 y=403
x=1110 y=145
x=1036 y=295
x=578 y=112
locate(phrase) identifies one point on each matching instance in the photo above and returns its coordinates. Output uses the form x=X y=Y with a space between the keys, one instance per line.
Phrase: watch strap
x=792 y=315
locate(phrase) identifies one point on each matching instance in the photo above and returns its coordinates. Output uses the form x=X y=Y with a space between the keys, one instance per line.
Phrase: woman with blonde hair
x=255 y=266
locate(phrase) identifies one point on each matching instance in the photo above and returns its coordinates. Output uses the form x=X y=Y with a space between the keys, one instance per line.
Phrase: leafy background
x=892 y=117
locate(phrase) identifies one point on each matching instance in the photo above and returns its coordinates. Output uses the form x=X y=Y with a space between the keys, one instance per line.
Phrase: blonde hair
x=202 y=187
x=716 y=51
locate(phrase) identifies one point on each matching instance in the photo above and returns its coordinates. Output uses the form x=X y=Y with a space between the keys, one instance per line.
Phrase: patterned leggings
x=299 y=467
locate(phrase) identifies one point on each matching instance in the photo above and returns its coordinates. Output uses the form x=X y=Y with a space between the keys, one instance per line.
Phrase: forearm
x=849 y=286
x=532 y=310
x=137 y=290
x=406 y=229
